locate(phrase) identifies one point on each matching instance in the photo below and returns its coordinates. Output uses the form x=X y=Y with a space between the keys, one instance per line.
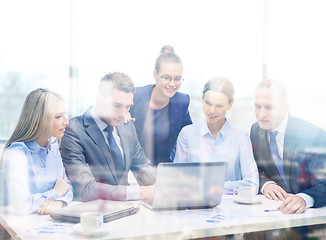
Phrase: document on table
x=230 y=212
x=54 y=230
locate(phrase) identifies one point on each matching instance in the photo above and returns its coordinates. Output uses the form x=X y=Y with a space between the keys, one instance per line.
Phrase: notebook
x=188 y=186
x=111 y=210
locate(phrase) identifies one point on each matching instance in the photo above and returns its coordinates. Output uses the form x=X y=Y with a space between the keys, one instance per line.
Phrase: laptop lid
x=111 y=210
x=189 y=185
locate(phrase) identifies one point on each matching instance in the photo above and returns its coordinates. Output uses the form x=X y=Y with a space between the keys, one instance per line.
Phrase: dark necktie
x=276 y=156
x=115 y=152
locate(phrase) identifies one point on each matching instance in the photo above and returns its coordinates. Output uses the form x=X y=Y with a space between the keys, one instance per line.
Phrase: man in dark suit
x=98 y=150
x=290 y=152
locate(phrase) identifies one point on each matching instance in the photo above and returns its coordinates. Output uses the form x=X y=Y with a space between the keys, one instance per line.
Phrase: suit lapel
x=125 y=142
x=267 y=157
x=290 y=143
x=264 y=140
x=95 y=133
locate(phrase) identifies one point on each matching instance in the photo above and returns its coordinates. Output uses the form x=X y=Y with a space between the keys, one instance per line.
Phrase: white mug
x=91 y=221
x=245 y=193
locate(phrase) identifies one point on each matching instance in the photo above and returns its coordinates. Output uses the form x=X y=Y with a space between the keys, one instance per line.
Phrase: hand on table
x=293 y=204
x=275 y=192
x=48 y=206
x=147 y=192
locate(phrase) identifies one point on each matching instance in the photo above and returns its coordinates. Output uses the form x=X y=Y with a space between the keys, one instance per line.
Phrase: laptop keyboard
x=148 y=201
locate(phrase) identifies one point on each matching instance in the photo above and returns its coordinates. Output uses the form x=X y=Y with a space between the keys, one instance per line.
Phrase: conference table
x=230 y=217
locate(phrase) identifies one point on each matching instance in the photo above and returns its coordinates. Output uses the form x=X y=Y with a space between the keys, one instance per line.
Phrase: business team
x=98 y=149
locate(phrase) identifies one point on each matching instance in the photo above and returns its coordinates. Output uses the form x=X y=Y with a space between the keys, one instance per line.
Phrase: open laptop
x=111 y=210
x=188 y=185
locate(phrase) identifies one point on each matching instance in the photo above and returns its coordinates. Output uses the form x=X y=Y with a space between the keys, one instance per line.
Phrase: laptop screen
x=189 y=185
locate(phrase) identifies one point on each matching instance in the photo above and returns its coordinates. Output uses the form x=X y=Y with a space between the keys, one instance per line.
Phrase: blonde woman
x=33 y=176
x=215 y=139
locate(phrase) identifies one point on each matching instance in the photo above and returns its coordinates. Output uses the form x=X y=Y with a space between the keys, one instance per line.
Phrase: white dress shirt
x=133 y=192
x=281 y=128
x=232 y=145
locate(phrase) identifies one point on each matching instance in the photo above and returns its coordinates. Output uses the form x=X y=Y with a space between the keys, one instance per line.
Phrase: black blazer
x=178 y=118
x=304 y=159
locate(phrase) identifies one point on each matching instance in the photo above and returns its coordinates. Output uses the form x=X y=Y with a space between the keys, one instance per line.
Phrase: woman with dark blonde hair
x=160 y=110
x=33 y=176
x=216 y=140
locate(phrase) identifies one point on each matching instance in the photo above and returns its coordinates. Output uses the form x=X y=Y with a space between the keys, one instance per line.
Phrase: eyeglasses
x=167 y=78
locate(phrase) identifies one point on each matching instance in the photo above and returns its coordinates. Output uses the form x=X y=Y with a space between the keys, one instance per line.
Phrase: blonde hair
x=36 y=117
x=222 y=85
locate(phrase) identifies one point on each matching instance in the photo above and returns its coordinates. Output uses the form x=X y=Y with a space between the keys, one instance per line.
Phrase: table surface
x=230 y=218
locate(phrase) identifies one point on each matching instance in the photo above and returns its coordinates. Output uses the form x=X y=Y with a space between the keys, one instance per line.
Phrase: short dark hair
x=221 y=85
x=167 y=55
x=119 y=81
x=269 y=84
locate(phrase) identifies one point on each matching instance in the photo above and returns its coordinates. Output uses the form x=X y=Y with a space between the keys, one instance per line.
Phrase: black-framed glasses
x=167 y=78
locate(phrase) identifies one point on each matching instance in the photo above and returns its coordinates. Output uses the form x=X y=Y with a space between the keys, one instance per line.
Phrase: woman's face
x=60 y=121
x=215 y=105
x=168 y=80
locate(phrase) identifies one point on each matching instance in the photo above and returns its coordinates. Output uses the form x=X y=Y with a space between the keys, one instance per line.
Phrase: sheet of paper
x=54 y=230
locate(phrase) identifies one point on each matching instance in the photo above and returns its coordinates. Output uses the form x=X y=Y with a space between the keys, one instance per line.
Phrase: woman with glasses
x=160 y=111
x=216 y=140
x=33 y=176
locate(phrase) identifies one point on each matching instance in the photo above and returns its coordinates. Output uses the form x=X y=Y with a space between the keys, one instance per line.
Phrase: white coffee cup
x=91 y=222
x=245 y=193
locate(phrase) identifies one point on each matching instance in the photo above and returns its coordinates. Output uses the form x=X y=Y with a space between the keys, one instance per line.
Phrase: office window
x=295 y=53
x=212 y=38
x=34 y=52
x=69 y=45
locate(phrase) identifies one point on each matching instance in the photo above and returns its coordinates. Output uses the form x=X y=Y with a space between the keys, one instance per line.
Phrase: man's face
x=113 y=108
x=270 y=110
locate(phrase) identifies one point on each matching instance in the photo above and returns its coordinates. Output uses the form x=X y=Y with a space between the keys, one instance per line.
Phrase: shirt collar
x=225 y=129
x=204 y=128
x=223 y=132
x=35 y=147
x=282 y=126
x=101 y=125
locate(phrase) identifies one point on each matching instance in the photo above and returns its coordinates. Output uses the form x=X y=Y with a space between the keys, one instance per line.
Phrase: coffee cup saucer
x=96 y=233
x=253 y=200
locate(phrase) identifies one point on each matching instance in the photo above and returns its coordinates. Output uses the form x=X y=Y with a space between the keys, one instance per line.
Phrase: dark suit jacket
x=178 y=117
x=89 y=164
x=304 y=159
